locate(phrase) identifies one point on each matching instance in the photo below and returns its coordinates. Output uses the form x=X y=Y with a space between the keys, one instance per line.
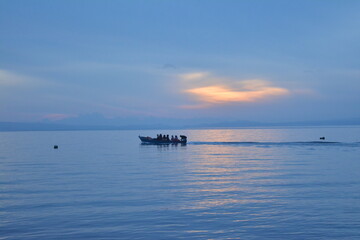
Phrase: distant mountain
x=41 y=126
x=37 y=126
x=232 y=124
x=17 y=126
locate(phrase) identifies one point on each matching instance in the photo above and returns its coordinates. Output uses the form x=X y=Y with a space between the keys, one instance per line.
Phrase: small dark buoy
x=56 y=146
x=322 y=138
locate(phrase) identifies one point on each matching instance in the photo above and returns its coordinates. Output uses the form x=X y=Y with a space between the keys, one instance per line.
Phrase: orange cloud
x=209 y=90
x=247 y=91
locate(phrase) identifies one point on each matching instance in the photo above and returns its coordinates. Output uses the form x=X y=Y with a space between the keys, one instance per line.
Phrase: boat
x=150 y=140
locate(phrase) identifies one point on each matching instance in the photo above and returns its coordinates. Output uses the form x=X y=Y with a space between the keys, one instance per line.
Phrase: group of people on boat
x=164 y=137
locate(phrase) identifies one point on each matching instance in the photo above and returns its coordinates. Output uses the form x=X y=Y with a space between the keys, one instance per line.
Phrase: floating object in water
x=322 y=138
x=56 y=146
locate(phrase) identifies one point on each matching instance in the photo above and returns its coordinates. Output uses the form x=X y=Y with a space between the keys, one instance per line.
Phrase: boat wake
x=268 y=144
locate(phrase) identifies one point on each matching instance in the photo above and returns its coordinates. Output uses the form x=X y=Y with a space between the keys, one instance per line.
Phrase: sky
x=229 y=60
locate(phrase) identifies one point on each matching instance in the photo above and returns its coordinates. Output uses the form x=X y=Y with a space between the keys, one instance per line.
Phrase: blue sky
x=275 y=61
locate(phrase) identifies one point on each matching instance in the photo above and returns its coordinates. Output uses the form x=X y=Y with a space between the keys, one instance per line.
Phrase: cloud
x=194 y=76
x=209 y=90
x=57 y=116
x=169 y=66
x=223 y=94
x=196 y=106
x=10 y=79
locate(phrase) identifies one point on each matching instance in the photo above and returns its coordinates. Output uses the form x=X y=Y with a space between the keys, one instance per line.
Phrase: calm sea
x=279 y=183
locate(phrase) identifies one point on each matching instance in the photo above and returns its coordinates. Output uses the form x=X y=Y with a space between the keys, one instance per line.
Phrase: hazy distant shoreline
x=17 y=126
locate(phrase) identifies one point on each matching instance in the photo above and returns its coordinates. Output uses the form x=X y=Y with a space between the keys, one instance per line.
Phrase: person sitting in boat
x=176 y=138
x=172 y=138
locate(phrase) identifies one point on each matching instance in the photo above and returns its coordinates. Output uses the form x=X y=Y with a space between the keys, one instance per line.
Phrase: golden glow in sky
x=210 y=91
x=221 y=94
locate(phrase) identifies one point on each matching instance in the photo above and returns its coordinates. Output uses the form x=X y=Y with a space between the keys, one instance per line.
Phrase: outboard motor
x=183 y=139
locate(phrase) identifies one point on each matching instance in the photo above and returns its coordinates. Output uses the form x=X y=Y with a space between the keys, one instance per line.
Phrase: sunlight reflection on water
x=218 y=178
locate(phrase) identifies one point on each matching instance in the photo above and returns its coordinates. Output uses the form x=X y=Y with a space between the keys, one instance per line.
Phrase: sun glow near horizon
x=211 y=91
x=222 y=94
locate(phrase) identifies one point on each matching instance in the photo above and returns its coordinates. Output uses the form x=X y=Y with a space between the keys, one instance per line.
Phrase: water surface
x=279 y=183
